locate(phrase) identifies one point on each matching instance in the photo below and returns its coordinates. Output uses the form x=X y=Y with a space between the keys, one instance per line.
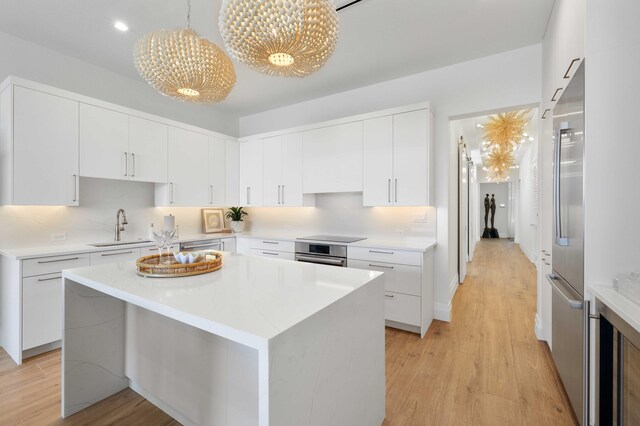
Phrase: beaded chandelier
x=499 y=163
x=280 y=37
x=183 y=65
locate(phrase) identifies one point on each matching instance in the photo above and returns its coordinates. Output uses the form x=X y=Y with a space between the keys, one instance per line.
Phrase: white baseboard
x=538 y=328
x=442 y=311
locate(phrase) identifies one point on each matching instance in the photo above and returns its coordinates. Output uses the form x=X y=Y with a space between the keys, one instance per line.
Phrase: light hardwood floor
x=484 y=368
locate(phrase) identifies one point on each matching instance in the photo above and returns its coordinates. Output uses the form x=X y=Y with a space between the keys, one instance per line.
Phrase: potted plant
x=235 y=214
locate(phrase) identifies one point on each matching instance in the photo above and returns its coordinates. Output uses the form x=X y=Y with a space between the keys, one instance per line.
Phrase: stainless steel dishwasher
x=212 y=244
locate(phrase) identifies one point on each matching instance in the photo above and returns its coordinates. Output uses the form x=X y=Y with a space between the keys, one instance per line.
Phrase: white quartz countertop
x=249 y=300
x=623 y=306
x=64 y=249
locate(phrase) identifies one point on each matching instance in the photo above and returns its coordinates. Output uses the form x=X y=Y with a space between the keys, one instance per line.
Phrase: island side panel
x=330 y=368
x=93 y=347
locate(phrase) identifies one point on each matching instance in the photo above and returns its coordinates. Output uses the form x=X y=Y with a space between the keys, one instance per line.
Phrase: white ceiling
x=379 y=39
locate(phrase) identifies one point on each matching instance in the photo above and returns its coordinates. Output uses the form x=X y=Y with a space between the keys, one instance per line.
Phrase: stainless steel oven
x=213 y=244
x=321 y=253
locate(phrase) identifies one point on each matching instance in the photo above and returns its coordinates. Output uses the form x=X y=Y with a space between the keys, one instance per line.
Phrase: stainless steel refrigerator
x=569 y=310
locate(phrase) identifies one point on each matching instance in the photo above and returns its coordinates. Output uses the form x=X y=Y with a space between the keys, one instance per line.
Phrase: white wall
x=501 y=191
x=34 y=62
x=499 y=81
x=94 y=220
x=343 y=214
x=526 y=215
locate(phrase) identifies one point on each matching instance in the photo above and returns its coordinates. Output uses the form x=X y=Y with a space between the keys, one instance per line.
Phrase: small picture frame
x=212 y=220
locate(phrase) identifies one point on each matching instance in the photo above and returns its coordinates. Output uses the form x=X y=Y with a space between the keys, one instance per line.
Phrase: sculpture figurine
x=493 y=210
x=486 y=211
x=490 y=206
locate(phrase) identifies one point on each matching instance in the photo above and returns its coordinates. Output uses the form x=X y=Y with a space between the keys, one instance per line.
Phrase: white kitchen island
x=259 y=342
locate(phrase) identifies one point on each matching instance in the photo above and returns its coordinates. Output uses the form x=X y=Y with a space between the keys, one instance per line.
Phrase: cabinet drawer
x=112 y=256
x=398 y=278
x=272 y=253
x=41 y=310
x=402 y=257
x=277 y=245
x=50 y=265
x=402 y=308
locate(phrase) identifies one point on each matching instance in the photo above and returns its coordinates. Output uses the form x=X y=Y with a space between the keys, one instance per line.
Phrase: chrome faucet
x=120 y=225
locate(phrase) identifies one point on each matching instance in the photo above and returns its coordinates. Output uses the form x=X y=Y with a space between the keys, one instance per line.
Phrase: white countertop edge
x=621 y=305
x=247 y=339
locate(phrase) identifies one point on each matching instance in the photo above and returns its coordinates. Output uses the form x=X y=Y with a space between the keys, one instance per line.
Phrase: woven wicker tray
x=150 y=266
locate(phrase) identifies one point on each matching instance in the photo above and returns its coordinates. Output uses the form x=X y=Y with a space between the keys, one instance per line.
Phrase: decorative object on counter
x=183 y=65
x=236 y=214
x=169 y=223
x=212 y=220
x=156 y=267
x=163 y=241
x=291 y=38
x=188 y=257
x=490 y=206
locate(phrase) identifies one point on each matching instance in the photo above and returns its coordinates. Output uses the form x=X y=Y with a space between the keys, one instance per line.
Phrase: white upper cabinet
x=251 y=168
x=412 y=158
x=104 y=143
x=397 y=169
x=378 y=162
x=272 y=160
x=114 y=145
x=43 y=147
x=217 y=171
x=232 y=163
x=188 y=183
x=148 y=150
x=332 y=158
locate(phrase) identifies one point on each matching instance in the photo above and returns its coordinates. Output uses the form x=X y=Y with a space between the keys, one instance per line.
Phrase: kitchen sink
x=120 y=243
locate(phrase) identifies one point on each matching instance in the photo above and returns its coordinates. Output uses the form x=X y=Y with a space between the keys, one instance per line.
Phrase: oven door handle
x=321 y=260
x=209 y=245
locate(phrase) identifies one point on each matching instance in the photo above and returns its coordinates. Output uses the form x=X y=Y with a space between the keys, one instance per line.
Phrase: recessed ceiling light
x=531 y=138
x=119 y=25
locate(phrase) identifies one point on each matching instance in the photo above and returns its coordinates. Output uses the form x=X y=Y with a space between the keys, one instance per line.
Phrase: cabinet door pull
x=133 y=162
x=170 y=192
x=270 y=242
x=553 y=98
x=566 y=74
x=75 y=188
x=126 y=163
x=248 y=195
x=278 y=194
x=390 y=296
x=211 y=194
x=389 y=190
x=270 y=254
x=49 y=279
x=116 y=254
x=58 y=260
x=380 y=266
x=544 y=114
x=380 y=252
x=395 y=190
x=282 y=194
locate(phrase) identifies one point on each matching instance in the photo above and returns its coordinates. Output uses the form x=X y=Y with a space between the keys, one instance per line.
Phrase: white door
x=104 y=142
x=45 y=149
x=292 y=170
x=232 y=163
x=148 y=150
x=377 y=164
x=410 y=158
x=217 y=171
x=251 y=173
x=272 y=163
x=188 y=168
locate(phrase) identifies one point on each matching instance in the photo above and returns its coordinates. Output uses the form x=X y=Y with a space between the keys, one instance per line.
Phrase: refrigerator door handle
x=559 y=239
x=573 y=303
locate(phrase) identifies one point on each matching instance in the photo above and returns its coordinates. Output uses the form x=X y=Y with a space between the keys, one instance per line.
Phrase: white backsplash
x=343 y=214
x=94 y=219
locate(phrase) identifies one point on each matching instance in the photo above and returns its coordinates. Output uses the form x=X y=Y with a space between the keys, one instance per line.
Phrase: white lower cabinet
x=280 y=249
x=272 y=253
x=113 y=256
x=408 y=284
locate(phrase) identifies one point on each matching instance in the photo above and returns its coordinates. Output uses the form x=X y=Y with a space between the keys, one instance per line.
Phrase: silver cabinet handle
x=194 y=246
x=282 y=194
x=222 y=244
x=116 y=254
x=390 y=296
x=211 y=194
x=133 y=161
x=271 y=242
x=573 y=303
x=380 y=266
x=544 y=114
x=279 y=194
x=75 y=188
x=389 y=190
x=170 y=192
x=49 y=279
x=270 y=254
x=58 y=260
x=126 y=163
x=553 y=98
x=380 y=252
x=248 y=195
x=566 y=74
x=395 y=190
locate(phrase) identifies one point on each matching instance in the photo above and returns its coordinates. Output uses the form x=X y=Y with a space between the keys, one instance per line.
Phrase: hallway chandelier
x=183 y=65
x=291 y=38
x=505 y=130
x=499 y=164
